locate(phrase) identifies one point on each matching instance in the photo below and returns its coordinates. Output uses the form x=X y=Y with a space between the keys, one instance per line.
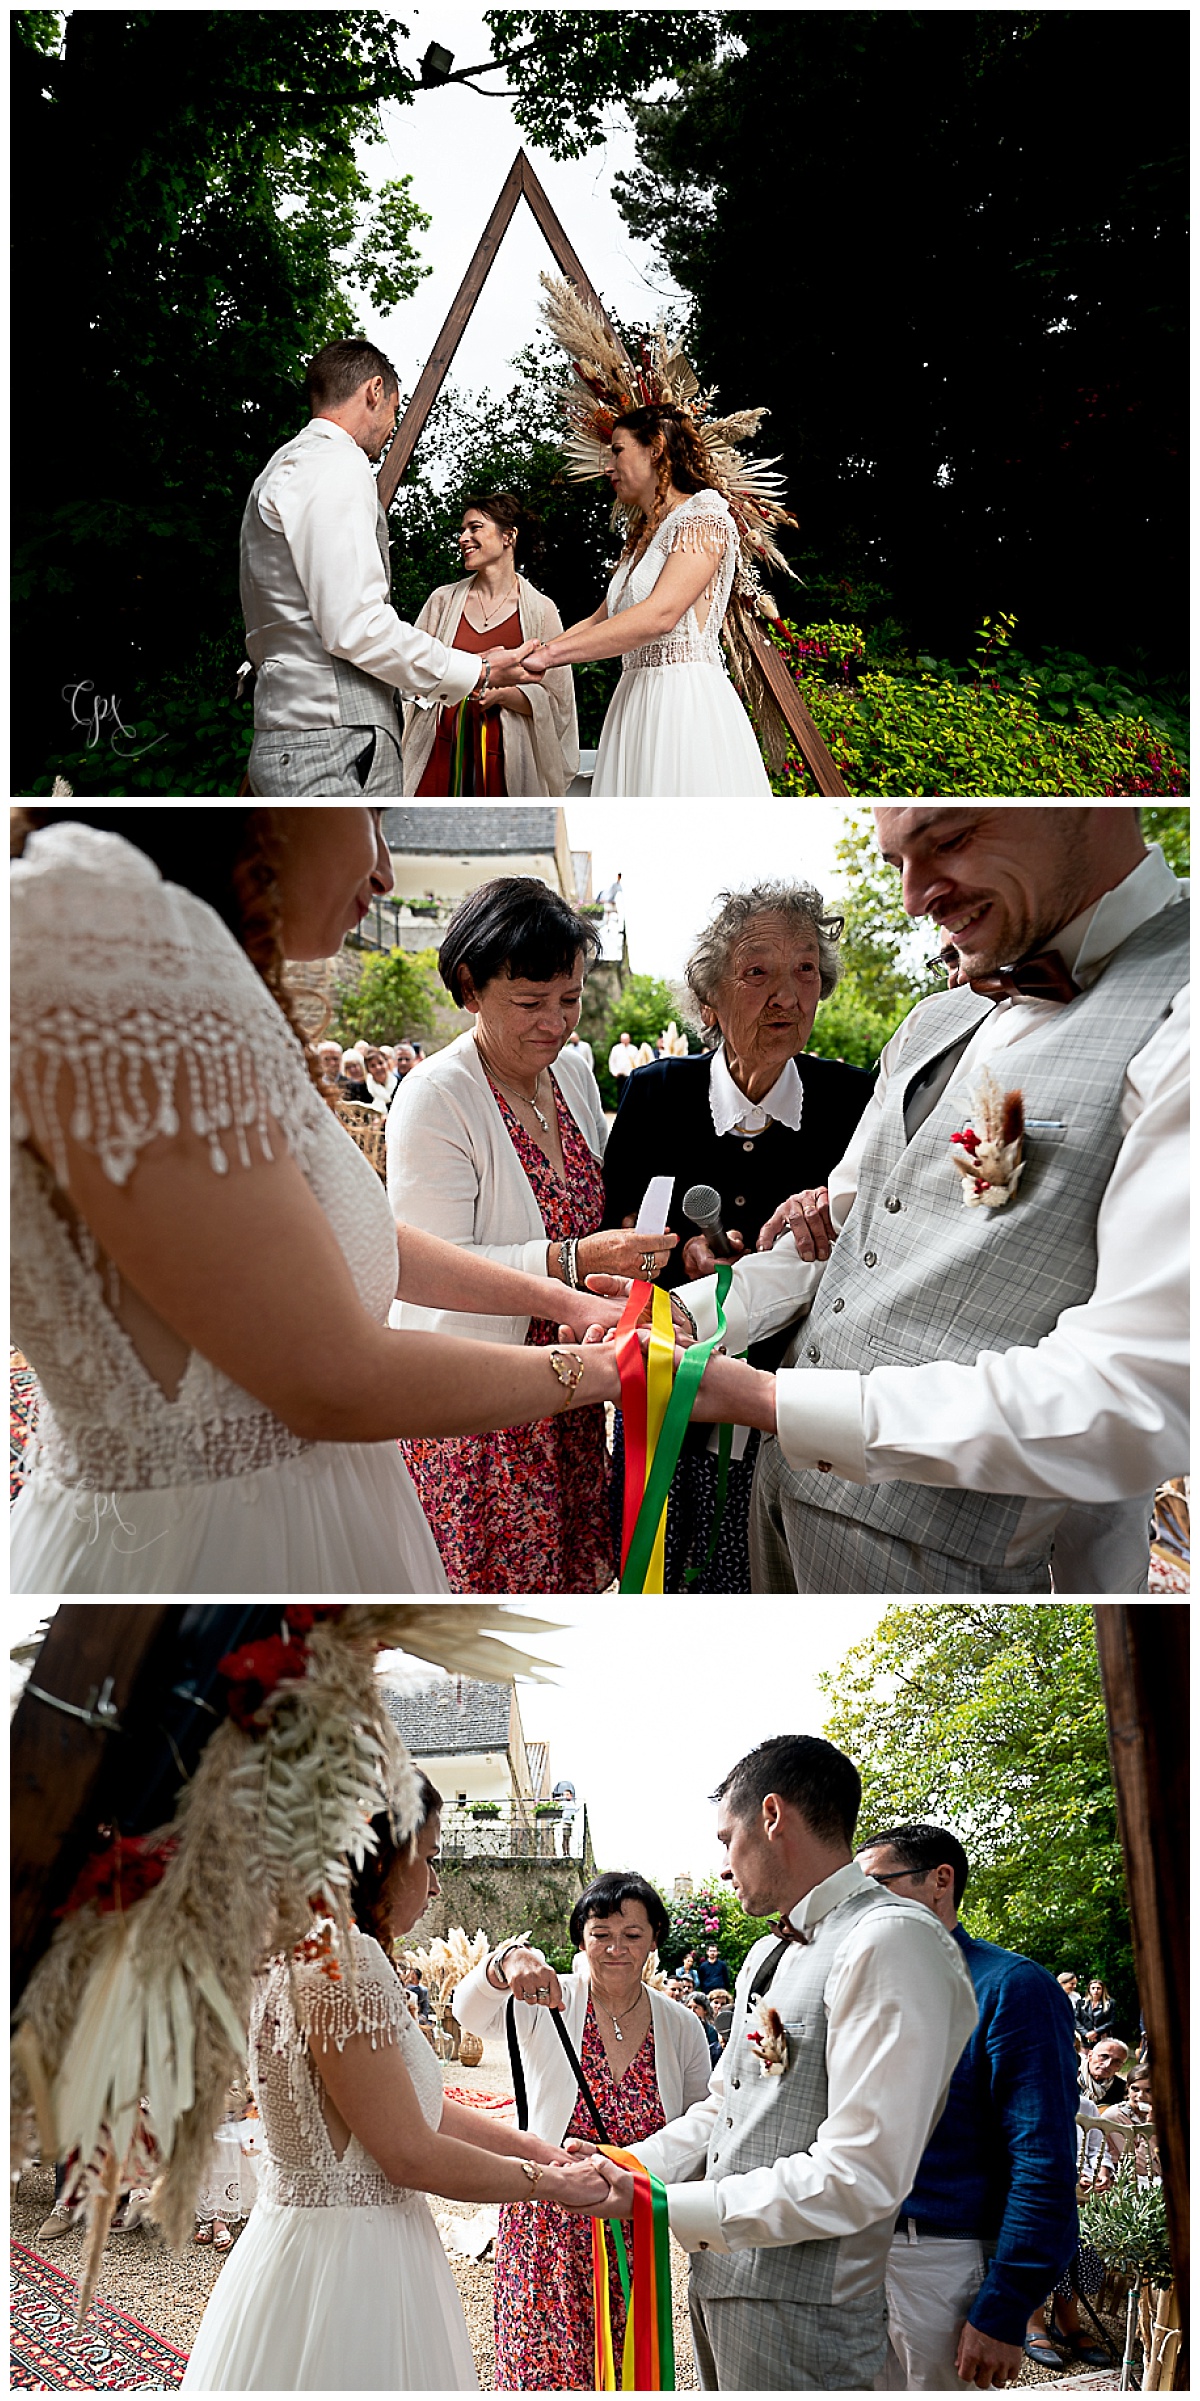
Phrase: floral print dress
x=526 y=1509
x=545 y=2318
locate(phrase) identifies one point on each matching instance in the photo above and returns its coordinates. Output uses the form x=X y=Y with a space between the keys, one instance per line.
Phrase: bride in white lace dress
x=675 y=726
x=340 y=2282
x=203 y=1262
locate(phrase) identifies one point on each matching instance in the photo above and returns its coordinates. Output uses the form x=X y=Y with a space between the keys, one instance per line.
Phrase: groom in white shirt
x=784 y=2186
x=979 y=1397
x=329 y=651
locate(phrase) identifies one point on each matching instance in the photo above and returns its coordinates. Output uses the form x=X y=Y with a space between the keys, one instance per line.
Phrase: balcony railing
x=516 y=1830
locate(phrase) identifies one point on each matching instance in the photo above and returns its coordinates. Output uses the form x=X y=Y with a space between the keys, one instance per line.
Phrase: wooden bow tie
x=1043 y=977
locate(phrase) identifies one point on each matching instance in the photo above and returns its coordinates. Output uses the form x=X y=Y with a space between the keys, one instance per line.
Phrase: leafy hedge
x=999 y=726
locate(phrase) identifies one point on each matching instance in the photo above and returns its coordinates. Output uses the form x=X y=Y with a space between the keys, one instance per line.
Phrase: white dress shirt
x=319 y=493
x=900 y=2007
x=623 y=1058
x=1096 y=1412
x=732 y=1113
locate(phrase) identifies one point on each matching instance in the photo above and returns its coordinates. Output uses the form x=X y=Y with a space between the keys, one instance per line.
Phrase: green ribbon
x=670 y=1443
x=662 y=2262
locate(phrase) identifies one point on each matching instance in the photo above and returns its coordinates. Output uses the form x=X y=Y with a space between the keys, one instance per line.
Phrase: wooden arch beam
x=521 y=182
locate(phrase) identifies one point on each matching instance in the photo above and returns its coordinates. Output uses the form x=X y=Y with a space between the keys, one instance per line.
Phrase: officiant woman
x=646 y=2060
x=496 y=1146
x=743 y=1119
x=517 y=742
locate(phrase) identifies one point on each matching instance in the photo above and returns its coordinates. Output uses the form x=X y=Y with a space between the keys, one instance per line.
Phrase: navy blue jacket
x=1000 y=2163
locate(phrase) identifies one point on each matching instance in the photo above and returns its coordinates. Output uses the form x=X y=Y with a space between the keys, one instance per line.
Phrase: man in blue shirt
x=990 y=2223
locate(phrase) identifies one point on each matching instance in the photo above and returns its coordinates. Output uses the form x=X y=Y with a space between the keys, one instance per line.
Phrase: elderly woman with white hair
x=754 y=1118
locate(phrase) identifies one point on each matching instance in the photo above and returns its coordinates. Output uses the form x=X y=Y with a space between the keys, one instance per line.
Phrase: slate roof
x=469 y=832
x=458 y=1715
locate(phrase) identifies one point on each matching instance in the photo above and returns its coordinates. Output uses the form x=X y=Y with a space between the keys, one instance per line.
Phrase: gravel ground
x=140 y=2275
x=170 y=2295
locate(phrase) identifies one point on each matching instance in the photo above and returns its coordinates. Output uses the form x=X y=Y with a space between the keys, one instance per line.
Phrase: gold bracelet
x=533 y=2174
x=569 y=1372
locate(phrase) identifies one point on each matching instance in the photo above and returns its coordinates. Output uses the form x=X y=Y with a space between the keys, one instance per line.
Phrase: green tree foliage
x=1173 y=829
x=203 y=225
x=988 y=1718
x=966 y=315
x=397 y=997
x=885 y=970
x=713 y=1914
x=645 y=1006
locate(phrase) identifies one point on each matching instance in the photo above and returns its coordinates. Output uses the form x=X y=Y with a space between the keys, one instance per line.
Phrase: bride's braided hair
x=681 y=462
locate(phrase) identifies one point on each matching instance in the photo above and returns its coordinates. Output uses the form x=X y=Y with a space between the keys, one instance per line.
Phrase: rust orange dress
x=483 y=773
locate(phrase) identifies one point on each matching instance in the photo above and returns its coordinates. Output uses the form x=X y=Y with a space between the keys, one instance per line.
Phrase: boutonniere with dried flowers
x=989 y=1154
x=768 y=2041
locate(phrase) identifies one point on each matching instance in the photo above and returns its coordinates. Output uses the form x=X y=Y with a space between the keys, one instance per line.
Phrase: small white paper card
x=656 y=1206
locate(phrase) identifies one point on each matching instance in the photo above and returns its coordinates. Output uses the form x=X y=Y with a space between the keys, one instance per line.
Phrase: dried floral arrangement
x=605 y=382
x=134 y=2022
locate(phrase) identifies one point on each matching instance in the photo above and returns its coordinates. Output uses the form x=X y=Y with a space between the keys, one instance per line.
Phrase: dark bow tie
x=784 y=1931
x=1043 y=977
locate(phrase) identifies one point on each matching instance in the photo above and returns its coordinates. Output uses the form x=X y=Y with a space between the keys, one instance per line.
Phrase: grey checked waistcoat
x=916 y=1276
x=298 y=684
x=766 y=2118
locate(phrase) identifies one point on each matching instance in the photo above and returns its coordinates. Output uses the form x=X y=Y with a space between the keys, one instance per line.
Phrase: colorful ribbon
x=648 y=2361
x=656 y=1420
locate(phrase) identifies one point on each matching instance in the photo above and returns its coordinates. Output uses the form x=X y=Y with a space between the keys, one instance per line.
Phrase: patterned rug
x=114 y=2354
x=458 y=2092
x=22 y=1418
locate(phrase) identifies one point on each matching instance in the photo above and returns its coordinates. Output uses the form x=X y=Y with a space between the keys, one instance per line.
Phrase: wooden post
x=520 y=180
x=63 y=1767
x=1145 y=1669
x=798 y=719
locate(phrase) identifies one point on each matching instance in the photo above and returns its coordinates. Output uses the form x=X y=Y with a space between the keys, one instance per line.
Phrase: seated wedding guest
x=406 y=1059
x=1101 y=2084
x=521 y=740
x=645 y=2058
x=741 y=1118
x=983 y=1398
x=329 y=1064
x=381 y=1078
x=496 y=1145
x=352 y=1083
x=340 y=2282
x=173 y=1192
x=1128 y=2125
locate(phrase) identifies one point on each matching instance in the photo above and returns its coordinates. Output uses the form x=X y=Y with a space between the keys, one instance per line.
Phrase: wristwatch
x=485 y=678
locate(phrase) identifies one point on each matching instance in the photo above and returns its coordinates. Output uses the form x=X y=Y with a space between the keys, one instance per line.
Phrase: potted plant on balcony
x=485 y=1808
x=548 y=1809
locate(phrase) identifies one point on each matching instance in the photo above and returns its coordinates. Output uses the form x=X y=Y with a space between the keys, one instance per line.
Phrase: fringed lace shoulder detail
x=336 y=1999
x=135 y=1012
x=702 y=522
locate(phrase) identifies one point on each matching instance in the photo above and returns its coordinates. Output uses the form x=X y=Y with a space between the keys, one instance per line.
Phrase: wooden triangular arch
x=522 y=182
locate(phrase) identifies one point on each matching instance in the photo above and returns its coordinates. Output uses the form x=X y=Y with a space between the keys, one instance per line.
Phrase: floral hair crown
x=606 y=383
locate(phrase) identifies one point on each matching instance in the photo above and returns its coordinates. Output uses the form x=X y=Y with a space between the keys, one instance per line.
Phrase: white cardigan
x=541 y=752
x=682 y=2064
x=452 y=1170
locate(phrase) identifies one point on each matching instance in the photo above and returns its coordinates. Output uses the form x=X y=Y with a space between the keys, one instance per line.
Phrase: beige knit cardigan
x=541 y=753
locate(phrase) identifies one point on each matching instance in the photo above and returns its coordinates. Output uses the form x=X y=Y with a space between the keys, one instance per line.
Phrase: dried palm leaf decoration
x=150 y=2003
x=605 y=382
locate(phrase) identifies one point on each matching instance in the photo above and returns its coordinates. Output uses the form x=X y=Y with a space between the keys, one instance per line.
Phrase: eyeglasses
x=898 y=1874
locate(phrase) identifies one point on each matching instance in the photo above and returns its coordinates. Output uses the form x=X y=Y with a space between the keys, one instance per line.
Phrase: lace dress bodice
x=703 y=520
x=144 y=994
x=297 y=2010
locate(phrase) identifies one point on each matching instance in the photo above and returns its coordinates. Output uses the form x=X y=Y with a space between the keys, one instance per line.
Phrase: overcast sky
x=458 y=146
x=654 y=1700
x=675 y=859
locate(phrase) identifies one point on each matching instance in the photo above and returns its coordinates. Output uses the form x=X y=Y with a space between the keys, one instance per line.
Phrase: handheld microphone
x=703 y=1205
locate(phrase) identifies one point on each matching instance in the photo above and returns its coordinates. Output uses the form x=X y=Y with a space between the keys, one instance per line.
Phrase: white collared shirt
x=318 y=492
x=1096 y=1411
x=732 y=1113
x=900 y=2007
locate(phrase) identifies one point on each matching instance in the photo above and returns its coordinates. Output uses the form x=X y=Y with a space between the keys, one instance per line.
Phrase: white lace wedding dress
x=131 y=1488
x=339 y=2283
x=675 y=726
